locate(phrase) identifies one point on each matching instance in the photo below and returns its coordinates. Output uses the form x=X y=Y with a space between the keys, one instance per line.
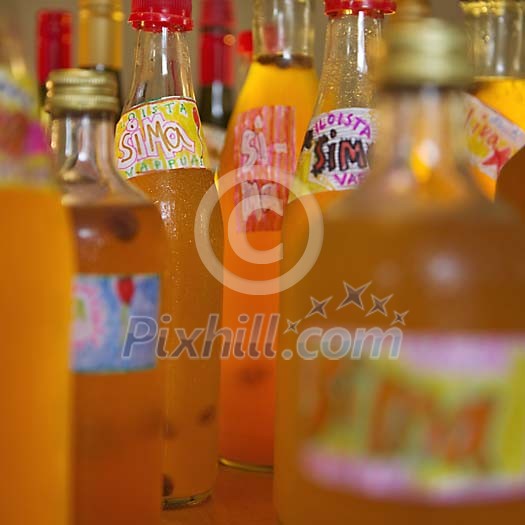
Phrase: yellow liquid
x=478 y=289
x=190 y=295
x=118 y=416
x=507 y=97
x=36 y=269
x=247 y=409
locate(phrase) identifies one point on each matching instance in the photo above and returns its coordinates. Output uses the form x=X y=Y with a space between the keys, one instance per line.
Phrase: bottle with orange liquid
x=411 y=362
x=117 y=397
x=335 y=158
x=495 y=119
x=160 y=147
x=263 y=142
x=36 y=273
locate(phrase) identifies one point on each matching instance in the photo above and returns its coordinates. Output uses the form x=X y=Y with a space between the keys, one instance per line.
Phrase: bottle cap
x=54 y=42
x=82 y=90
x=333 y=7
x=152 y=15
x=217 y=13
x=424 y=51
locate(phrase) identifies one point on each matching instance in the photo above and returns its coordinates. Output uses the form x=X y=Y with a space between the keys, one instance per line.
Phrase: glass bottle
x=54 y=45
x=161 y=114
x=117 y=397
x=216 y=95
x=411 y=369
x=335 y=157
x=263 y=142
x=495 y=119
x=100 y=30
x=36 y=272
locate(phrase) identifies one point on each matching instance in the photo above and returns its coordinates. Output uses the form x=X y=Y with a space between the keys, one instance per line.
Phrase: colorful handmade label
x=108 y=311
x=443 y=423
x=336 y=152
x=160 y=136
x=492 y=139
x=265 y=162
x=24 y=152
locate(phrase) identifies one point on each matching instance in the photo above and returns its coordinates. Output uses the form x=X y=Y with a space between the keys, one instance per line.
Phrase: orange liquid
x=247 y=408
x=190 y=295
x=36 y=270
x=118 y=416
x=398 y=256
x=507 y=97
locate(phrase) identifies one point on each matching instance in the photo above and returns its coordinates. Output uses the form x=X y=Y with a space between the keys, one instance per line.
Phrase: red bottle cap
x=54 y=42
x=245 y=44
x=332 y=7
x=152 y=15
x=217 y=13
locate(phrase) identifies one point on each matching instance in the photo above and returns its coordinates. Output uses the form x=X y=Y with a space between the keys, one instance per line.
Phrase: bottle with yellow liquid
x=117 y=394
x=160 y=148
x=335 y=157
x=100 y=33
x=263 y=142
x=36 y=271
x=406 y=340
x=495 y=119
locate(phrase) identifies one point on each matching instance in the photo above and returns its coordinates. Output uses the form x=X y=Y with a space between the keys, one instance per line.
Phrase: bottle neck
x=162 y=67
x=351 y=40
x=283 y=32
x=497 y=37
x=216 y=75
x=83 y=144
x=421 y=154
x=100 y=34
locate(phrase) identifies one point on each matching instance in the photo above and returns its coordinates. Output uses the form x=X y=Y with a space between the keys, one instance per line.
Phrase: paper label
x=492 y=139
x=107 y=308
x=444 y=423
x=336 y=151
x=265 y=162
x=24 y=152
x=160 y=136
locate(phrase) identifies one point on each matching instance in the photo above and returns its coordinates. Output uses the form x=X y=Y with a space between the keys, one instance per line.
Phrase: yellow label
x=443 y=421
x=160 y=136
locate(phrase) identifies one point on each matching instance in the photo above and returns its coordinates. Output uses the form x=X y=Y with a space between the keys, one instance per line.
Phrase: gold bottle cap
x=424 y=51
x=413 y=9
x=82 y=90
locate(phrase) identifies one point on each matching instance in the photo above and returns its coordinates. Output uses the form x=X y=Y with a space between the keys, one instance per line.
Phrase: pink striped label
x=265 y=162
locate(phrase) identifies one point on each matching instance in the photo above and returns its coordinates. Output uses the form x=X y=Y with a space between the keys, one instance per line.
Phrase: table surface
x=240 y=498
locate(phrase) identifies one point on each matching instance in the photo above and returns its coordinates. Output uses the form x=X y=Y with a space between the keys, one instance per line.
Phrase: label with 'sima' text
x=492 y=139
x=336 y=151
x=107 y=307
x=160 y=136
x=265 y=163
x=442 y=424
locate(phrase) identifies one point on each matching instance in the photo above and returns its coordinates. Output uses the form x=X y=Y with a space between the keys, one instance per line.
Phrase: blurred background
x=25 y=11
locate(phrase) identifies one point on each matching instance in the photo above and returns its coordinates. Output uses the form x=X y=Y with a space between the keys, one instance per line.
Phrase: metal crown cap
x=82 y=90
x=333 y=7
x=152 y=15
x=424 y=51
